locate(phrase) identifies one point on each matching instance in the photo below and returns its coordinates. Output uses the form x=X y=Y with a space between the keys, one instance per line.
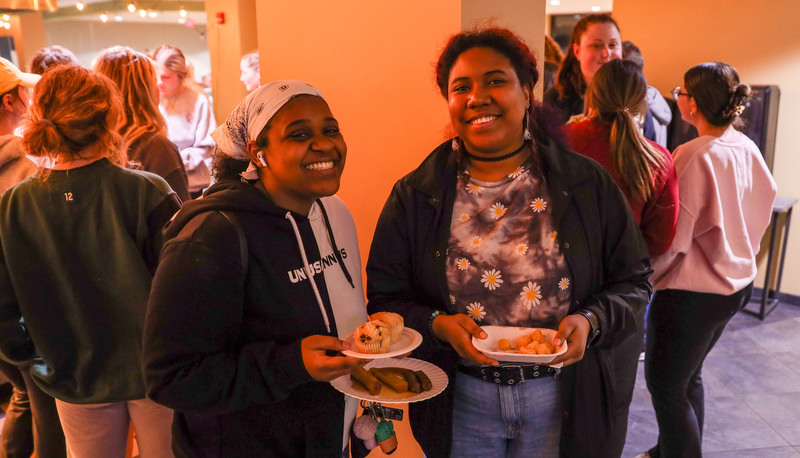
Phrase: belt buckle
x=521 y=373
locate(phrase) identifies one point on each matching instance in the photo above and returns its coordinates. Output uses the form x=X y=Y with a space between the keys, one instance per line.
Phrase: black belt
x=509 y=374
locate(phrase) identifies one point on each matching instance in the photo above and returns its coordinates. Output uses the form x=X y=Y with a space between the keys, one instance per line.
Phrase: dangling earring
x=526 y=134
x=455 y=145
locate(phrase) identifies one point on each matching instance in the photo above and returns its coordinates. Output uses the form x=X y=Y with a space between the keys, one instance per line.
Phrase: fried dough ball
x=504 y=344
x=522 y=341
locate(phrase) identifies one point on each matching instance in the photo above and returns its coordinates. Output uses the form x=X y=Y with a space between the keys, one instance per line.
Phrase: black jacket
x=223 y=349
x=603 y=248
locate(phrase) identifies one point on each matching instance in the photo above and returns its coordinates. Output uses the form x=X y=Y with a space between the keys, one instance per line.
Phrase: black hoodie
x=223 y=349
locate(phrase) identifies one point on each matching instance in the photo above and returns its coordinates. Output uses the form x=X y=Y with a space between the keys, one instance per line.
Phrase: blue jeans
x=491 y=420
x=682 y=327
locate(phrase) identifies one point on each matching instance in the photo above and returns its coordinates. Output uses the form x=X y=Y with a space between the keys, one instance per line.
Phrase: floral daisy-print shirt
x=504 y=264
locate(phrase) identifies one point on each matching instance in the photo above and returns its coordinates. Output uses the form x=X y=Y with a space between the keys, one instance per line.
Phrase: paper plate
x=489 y=346
x=437 y=376
x=409 y=340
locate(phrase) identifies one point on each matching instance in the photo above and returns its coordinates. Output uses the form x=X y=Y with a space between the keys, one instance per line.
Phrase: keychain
x=384 y=432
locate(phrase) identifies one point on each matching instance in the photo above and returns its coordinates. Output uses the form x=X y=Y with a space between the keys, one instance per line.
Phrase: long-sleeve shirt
x=658 y=215
x=190 y=122
x=726 y=197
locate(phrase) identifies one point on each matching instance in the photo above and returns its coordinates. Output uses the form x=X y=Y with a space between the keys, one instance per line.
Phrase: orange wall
x=227 y=43
x=374 y=63
x=762 y=40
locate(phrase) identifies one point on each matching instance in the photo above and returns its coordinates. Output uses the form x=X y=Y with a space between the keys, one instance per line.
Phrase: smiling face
x=169 y=83
x=250 y=76
x=599 y=44
x=305 y=154
x=487 y=103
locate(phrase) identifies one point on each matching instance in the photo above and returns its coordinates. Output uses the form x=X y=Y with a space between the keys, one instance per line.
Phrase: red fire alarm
x=220 y=17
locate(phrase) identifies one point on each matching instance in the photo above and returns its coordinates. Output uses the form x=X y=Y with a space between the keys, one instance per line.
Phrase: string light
x=104 y=17
x=6 y=17
x=6 y=25
x=152 y=14
x=131 y=7
x=142 y=13
x=80 y=6
x=182 y=12
x=118 y=18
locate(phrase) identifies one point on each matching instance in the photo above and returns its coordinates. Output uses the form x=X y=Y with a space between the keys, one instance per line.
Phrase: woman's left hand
x=575 y=330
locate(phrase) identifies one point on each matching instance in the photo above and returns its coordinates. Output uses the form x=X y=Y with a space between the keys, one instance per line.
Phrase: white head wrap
x=248 y=119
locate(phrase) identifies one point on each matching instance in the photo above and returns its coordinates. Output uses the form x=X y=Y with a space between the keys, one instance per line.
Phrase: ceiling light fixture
x=555 y=2
x=596 y=8
x=80 y=6
x=131 y=7
x=6 y=17
x=182 y=12
x=6 y=25
x=104 y=17
x=142 y=13
x=118 y=18
x=152 y=14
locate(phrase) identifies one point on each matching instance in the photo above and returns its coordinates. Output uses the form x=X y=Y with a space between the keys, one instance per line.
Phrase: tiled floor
x=752 y=391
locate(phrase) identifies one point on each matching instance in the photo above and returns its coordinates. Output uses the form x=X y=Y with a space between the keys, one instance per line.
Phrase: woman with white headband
x=256 y=284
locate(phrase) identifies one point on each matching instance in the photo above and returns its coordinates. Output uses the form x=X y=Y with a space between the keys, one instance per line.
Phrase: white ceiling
x=167 y=10
x=578 y=6
x=159 y=11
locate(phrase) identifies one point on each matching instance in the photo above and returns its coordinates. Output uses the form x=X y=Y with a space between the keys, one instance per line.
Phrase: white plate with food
x=509 y=343
x=409 y=340
x=385 y=393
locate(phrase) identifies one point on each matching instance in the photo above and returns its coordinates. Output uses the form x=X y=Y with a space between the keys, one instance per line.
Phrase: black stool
x=768 y=299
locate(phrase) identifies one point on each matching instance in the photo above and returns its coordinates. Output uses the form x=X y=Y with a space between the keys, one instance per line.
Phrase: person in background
x=237 y=330
x=645 y=173
x=552 y=60
x=251 y=75
x=706 y=276
x=50 y=57
x=502 y=225
x=187 y=112
x=92 y=229
x=595 y=40
x=656 y=105
x=143 y=128
x=29 y=408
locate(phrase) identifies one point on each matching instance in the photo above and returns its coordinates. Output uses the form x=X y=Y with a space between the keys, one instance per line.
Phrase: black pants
x=31 y=420
x=16 y=439
x=682 y=327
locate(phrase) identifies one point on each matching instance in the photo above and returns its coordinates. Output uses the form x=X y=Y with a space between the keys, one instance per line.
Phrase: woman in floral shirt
x=503 y=226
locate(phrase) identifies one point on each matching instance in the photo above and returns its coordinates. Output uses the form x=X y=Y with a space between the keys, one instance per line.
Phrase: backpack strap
x=242 y=239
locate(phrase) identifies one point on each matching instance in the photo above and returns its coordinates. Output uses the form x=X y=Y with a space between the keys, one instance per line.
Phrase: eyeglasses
x=677 y=93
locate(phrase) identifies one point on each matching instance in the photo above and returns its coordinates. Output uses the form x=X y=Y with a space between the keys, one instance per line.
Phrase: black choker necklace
x=497 y=158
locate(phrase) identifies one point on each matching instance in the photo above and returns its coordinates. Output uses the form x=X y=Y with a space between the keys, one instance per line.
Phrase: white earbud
x=260 y=157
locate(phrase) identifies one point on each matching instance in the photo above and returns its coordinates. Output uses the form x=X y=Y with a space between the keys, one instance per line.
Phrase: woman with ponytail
x=645 y=173
x=80 y=242
x=707 y=274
